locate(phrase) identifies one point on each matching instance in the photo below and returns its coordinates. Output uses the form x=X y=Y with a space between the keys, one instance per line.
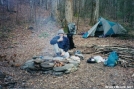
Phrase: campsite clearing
x=88 y=75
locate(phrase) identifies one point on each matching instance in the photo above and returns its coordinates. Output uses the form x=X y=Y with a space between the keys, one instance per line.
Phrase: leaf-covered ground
x=23 y=43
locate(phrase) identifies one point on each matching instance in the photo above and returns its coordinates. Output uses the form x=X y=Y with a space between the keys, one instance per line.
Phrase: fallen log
x=91 y=52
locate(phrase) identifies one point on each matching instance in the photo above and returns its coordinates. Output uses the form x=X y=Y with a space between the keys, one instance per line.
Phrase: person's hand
x=63 y=53
x=60 y=39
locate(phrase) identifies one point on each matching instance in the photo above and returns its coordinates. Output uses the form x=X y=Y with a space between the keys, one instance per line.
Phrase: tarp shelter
x=105 y=28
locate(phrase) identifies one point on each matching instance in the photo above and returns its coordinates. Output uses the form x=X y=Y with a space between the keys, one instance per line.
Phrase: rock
x=66 y=67
x=28 y=65
x=31 y=60
x=47 y=65
x=70 y=68
x=60 y=69
x=47 y=58
x=47 y=72
x=38 y=60
x=75 y=63
x=73 y=69
x=75 y=58
x=43 y=58
x=58 y=73
x=59 y=58
x=47 y=69
x=51 y=64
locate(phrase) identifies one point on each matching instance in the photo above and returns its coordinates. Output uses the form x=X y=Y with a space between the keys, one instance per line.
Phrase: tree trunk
x=31 y=10
x=46 y=5
x=41 y=3
x=78 y=15
x=83 y=3
x=91 y=16
x=69 y=10
x=82 y=8
x=17 y=12
x=8 y=5
x=54 y=12
x=117 y=9
x=35 y=15
x=74 y=7
x=96 y=15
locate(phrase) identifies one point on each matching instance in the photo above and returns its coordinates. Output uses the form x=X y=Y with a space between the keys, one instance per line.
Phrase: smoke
x=37 y=12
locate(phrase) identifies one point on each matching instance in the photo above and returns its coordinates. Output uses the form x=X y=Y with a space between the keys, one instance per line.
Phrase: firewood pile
x=126 y=53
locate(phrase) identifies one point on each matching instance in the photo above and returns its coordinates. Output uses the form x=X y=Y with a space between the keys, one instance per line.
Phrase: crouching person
x=61 y=44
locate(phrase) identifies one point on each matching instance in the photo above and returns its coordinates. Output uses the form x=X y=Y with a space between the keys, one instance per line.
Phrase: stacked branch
x=125 y=52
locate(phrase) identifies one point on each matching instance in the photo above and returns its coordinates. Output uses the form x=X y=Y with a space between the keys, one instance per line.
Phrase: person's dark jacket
x=62 y=44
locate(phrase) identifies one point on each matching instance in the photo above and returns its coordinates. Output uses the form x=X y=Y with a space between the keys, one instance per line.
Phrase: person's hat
x=61 y=31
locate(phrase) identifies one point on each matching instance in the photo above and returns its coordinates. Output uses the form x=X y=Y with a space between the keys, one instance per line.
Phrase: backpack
x=112 y=59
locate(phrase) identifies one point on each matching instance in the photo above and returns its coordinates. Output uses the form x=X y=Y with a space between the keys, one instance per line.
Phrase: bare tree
x=96 y=12
x=17 y=12
x=31 y=10
x=54 y=12
x=41 y=1
x=8 y=5
x=78 y=15
x=69 y=10
x=83 y=3
x=46 y=4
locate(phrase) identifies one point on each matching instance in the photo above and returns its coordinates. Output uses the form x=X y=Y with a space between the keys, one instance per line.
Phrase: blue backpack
x=112 y=59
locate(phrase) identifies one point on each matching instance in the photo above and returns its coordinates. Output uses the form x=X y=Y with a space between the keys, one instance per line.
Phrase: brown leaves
x=2 y=57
